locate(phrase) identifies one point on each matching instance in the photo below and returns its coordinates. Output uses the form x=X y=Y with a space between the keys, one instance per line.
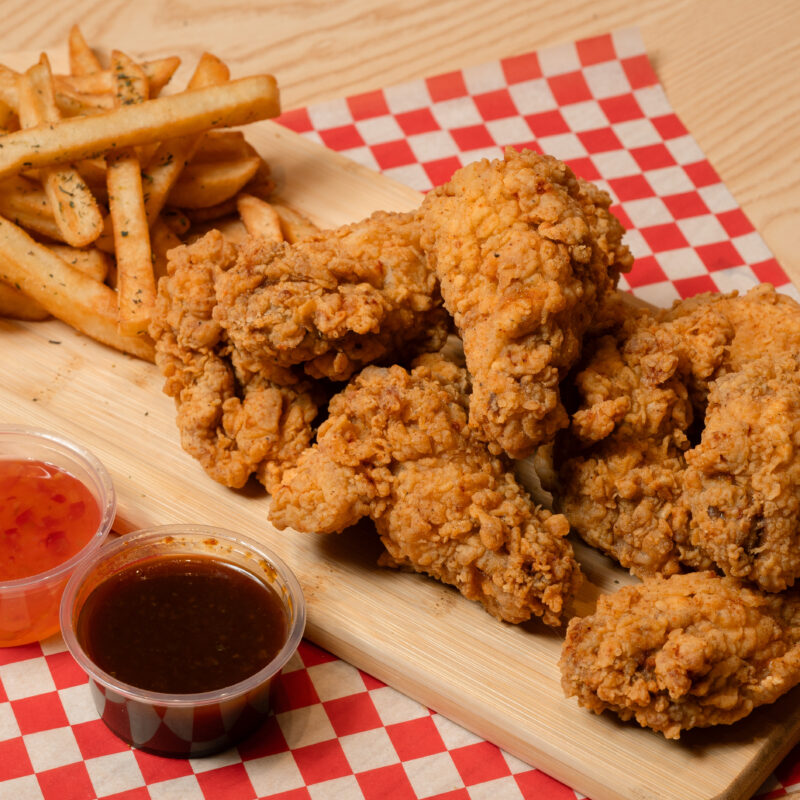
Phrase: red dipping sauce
x=57 y=505
x=46 y=517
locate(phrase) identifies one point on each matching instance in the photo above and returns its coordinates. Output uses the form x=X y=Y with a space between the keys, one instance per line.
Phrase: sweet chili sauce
x=46 y=517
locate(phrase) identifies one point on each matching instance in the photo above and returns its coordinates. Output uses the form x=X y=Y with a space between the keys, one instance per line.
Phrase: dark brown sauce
x=182 y=624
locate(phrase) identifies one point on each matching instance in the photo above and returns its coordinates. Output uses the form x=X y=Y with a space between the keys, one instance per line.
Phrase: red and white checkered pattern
x=597 y=105
x=338 y=733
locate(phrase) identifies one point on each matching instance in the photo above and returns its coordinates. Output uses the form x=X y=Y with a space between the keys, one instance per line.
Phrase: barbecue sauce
x=182 y=624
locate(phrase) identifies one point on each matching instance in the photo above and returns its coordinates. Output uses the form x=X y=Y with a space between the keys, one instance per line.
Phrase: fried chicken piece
x=335 y=301
x=764 y=322
x=233 y=424
x=683 y=652
x=524 y=251
x=397 y=447
x=621 y=488
x=741 y=484
x=623 y=499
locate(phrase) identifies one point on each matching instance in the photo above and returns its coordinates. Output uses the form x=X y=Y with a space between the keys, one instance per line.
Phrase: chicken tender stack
x=242 y=332
x=234 y=422
x=524 y=251
x=397 y=447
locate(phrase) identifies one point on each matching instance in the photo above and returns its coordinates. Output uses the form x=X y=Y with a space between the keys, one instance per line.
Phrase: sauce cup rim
x=152 y=535
x=107 y=503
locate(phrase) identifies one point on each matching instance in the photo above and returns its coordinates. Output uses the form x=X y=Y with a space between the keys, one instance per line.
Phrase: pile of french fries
x=101 y=175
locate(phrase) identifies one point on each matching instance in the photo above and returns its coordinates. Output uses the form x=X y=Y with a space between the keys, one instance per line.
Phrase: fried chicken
x=237 y=326
x=233 y=422
x=764 y=322
x=333 y=302
x=621 y=487
x=524 y=251
x=740 y=487
x=397 y=447
x=683 y=652
x=685 y=450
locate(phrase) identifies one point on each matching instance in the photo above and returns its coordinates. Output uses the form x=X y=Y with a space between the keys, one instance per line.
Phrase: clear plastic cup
x=29 y=606
x=183 y=725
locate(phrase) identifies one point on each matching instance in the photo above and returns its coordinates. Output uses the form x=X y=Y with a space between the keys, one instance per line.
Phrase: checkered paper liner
x=338 y=733
x=597 y=105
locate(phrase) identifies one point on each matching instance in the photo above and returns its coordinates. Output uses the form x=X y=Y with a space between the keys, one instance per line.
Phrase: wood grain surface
x=500 y=681
x=729 y=67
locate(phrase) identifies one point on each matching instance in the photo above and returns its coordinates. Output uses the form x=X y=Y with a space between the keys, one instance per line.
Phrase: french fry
x=162 y=240
x=260 y=218
x=25 y=203
x=82 y=61
x=136 y=289
x=93 y=170
x=74 y=104
x=8 y=87
x=8 y=118
x=210 y=71
x=130 y=84
x=169 y=160
x=73 y=206
x=16 y=305
x=226 y=208
x=89 y=261
x=80 y=301
x=204 y=185
x=294 y=225
x=231 y=228
x=158 y=73
x=223 y=146
x=177 y=220
x=236 y=103
x=35 y=96
x=146 y=152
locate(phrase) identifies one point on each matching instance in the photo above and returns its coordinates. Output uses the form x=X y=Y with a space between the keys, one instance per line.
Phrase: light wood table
x=730 y=67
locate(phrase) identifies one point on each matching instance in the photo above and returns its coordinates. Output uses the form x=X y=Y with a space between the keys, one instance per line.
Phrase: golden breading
x=333 y=302
x=683 y=652
x=234 y=423
x=621 y=487
x=740 y=488
x=524 y=251
x=397 y=447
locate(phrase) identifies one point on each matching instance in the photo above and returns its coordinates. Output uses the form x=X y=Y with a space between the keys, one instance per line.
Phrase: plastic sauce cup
x=29 y=605
x=183 y=725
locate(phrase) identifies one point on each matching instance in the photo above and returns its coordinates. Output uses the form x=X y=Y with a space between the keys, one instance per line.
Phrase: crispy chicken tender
x=397 y=447
x=687 y=651
x=233 y=422
x=723 y=371
x=524 y=251
x=335 y=301
x=741 y=483
x=621 y=489
x=764 y=321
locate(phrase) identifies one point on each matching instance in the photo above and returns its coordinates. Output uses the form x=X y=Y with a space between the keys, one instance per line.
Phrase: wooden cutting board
x=424 y=639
